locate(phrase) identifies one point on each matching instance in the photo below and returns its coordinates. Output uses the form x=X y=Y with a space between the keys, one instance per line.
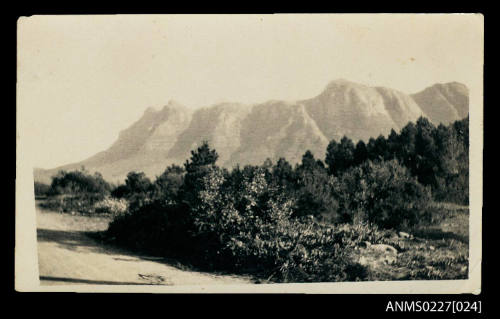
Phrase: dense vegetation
x=290 y=223
x=436 y=156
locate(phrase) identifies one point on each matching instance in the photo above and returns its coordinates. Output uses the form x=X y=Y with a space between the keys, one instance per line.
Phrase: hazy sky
x=83 y=79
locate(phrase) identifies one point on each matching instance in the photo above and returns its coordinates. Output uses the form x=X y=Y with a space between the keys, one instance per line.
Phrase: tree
x=203 y=156
x=425 y=150
x=339 y=157
x=137 y=182
x=392 y=144
x=406 y=150
x=167 y=185
x=138 y=189
x=452 y=161
x=202 y=160
x=461 y=129
x=308 y=162
x=312 y=193
x=330 y=160
x=283 y=175
x=79 y=182
x=381 y=148
x=360 y=153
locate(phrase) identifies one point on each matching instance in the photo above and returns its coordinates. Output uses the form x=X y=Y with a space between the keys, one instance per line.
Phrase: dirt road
x=67 y=256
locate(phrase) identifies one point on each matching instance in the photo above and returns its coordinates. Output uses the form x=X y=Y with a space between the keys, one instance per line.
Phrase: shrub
x=247 y=232
x=77 y=182
x=166 y=186
x=383 y=193
x=253 y=231
x=153 y=228
x=111 y=206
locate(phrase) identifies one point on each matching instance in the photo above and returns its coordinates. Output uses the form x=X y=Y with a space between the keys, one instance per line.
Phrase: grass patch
x=439 y=250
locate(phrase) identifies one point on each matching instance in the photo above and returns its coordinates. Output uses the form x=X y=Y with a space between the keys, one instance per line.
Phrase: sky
x=83 y=79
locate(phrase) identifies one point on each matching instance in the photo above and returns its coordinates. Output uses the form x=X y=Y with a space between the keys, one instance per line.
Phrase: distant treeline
x=74 y=182
x=293 y=223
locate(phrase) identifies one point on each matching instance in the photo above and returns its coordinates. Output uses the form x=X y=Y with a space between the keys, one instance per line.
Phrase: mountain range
x=248 y=134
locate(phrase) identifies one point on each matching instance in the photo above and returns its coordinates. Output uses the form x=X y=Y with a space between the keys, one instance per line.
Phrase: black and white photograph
x=249 y=153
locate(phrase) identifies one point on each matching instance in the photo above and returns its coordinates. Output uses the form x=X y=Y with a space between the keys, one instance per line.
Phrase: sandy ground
x=67 y=256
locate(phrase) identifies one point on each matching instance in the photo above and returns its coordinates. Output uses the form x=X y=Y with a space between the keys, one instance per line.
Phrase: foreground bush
x=155 y=229
x=249 y=233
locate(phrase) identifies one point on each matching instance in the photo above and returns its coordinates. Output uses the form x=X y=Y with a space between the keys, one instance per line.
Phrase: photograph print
x=243 y=152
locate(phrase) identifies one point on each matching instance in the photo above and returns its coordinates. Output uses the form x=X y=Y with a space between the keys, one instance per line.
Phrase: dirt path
x=67 y=256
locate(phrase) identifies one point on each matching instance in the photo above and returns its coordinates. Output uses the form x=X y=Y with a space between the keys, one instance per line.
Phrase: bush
x=111 y=206
x=250 y=232
x=77 y=182
x=153 y=228
x=166 y=186
x=382 y=193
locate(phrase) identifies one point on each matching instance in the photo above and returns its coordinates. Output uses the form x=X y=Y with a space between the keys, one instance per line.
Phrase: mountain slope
x=444 y=103
x=220 y=125
x=248 y=134
x=277 y=129
x=359 y=111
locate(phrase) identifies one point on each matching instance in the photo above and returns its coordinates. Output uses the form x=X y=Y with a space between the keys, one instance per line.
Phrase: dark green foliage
x=437 y=156
x=78 y=182
x=312 y=190
x=425 y=166
x=283 y=175
x=76 y=191
x=360 y=153
x=201 y=157
x=381 y=148
x=201 y=162
x=167 y=185
x=137 y=182
x=339 y=157
x=452 y=161
x=121 y=191
x=392 y=145
x=383 y=193
x=153 y=228
x=138 y=190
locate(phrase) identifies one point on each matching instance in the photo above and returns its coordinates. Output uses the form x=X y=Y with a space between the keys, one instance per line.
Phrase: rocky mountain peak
x=248 y=134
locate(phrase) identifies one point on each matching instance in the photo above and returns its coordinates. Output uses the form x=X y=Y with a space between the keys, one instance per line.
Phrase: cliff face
x=220 y=125
x=359 y=111
x=244 y=134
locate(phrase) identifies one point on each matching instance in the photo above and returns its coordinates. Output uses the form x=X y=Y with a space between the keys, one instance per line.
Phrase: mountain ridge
x=248 y=134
